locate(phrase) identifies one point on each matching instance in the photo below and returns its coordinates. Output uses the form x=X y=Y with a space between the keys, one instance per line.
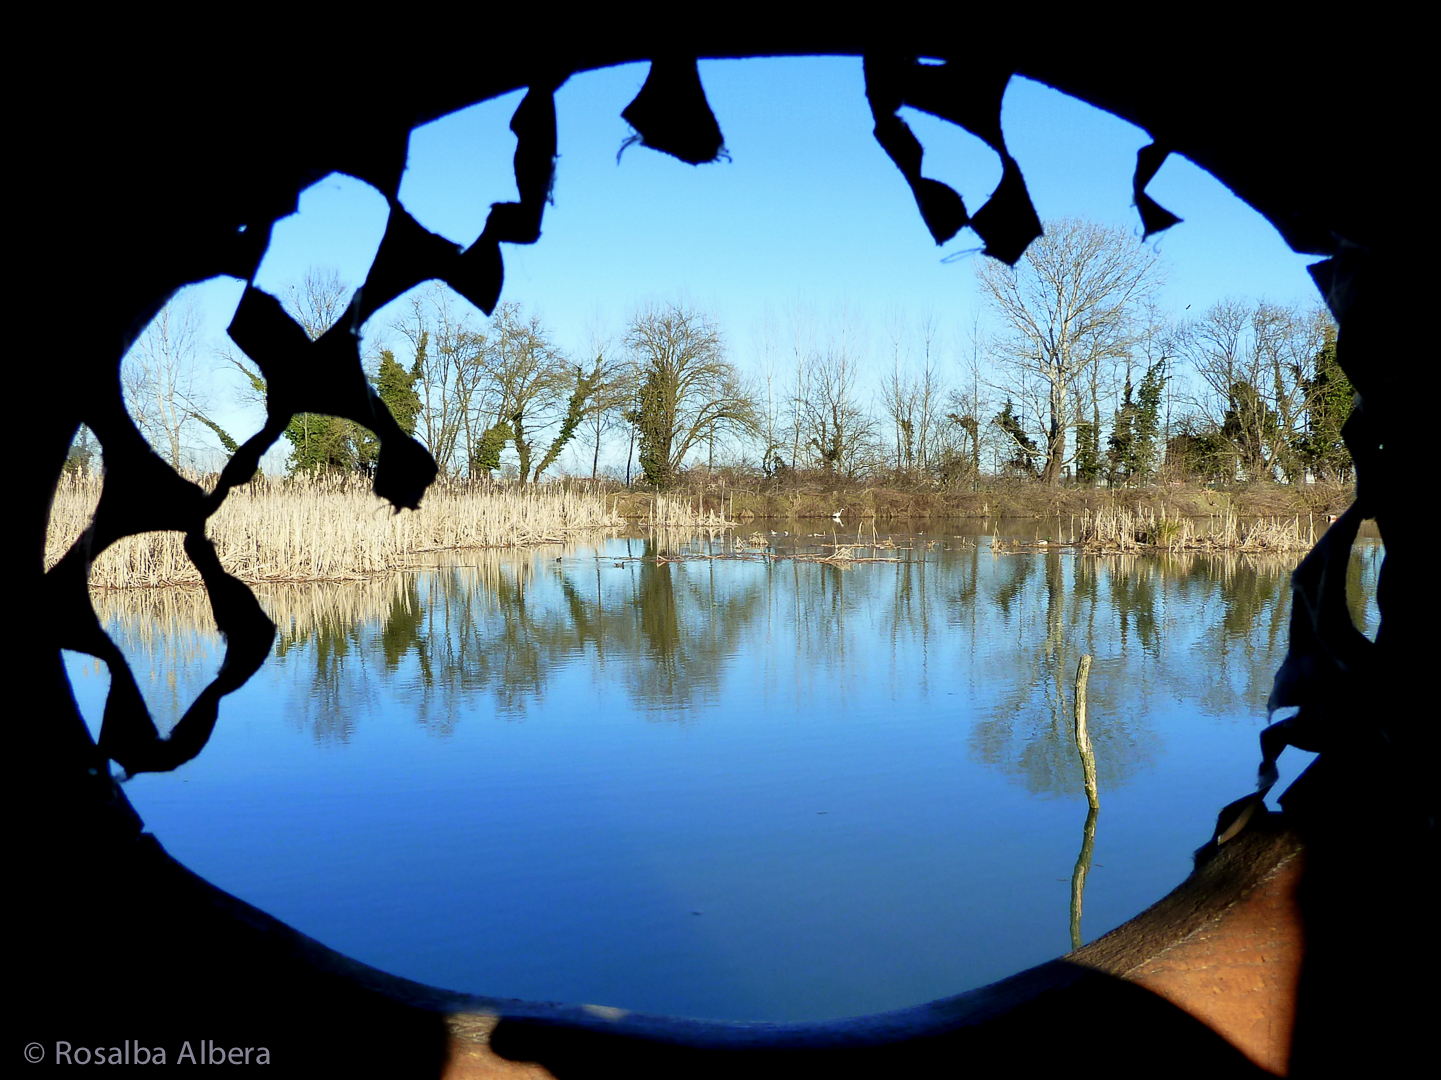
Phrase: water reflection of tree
x=1234 y=654
x=500 y=630
x=1028 y=731
x=495 y=632
x=1144 y=619
x=325 y=630
x=909 y=621
x=329 y=710
x=478 y=634
x=683 y=625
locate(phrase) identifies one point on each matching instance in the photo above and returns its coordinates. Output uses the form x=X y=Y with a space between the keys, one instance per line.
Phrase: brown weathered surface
x=1239 y=975
x=471 y=1057
x=1237 y=943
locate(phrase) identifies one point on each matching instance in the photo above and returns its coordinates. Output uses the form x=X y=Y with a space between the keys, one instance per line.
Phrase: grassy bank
x=996 y=498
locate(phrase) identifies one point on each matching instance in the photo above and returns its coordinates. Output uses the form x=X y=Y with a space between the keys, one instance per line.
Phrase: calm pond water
x=739 y=787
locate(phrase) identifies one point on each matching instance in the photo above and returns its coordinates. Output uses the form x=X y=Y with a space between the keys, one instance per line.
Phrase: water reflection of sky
x=745 y=789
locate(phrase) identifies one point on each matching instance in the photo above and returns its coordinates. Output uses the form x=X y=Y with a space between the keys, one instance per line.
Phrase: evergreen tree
x=1329 y=395
x=321 y=444
x=1024 y=449
x=1199 y=451
x=653 y=424
x=226 y=442
x=585 y=387
x=1088 y=452
x=1131 y=449
x=80 y=461
x=1121 y=447
x=1147 y=421
x=395 y=386
x=1251 y=428
x=486 y=457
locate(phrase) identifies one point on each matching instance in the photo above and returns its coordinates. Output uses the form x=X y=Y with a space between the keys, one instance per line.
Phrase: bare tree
x=772 y=402
x=839 y=432
x=523 y=378
x=1254 y=363
x=612 y=392
x=913 y=399
x=448 y=352
x=930 y=395
x=317 y=301
x=688 y=391
x=1074 y=302
x=898 y=400
x=161 y=383
x=965 y=427
x=803 y=349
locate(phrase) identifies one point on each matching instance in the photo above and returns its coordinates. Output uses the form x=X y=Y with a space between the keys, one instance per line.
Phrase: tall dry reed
x=1117 y=528
x=332 y=529
x=668 y=512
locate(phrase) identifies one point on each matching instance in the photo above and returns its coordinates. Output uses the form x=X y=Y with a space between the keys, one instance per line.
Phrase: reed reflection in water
x=522 y=773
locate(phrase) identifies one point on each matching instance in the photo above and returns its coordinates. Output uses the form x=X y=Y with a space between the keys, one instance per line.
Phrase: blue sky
x=808 y=214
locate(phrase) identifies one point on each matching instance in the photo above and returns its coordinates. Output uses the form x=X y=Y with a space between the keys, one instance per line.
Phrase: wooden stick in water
x=1083 y=735
x=1088 y=770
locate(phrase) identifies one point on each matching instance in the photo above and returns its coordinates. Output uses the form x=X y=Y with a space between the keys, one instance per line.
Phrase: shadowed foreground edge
x=115 y=942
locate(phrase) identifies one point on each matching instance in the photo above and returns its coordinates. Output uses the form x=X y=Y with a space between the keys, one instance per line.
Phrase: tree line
x=1082 y=379
x=1088 y=366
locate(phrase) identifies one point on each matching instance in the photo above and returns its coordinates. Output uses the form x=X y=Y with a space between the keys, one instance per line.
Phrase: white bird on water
x=836 y=516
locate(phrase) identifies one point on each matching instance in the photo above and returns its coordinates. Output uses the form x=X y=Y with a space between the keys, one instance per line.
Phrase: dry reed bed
x=672 y=513
x=332 y=529
x=1123 y=529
